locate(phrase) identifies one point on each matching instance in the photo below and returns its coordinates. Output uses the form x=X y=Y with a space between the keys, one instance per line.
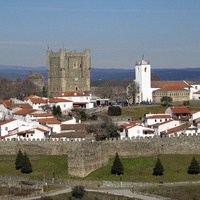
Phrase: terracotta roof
x=23 y=111
x=41 y=114
x=57 y=100
x=77 y=127
x=48 y=121
x=171 y=88
x=38 y=100
x=7 y=103
x=160 y=84
x=7 y=121
x=194 y=111
x=21 y=105
x=192 y=82
x=175 y=129
x=72 y=94
x=158 y=116
x=180 y=109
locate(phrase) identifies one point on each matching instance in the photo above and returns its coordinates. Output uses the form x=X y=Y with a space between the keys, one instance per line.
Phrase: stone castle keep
x=68 y=71
x=87 y=156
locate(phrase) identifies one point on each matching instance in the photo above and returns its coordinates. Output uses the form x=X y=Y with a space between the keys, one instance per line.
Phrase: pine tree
x=194 y=167
x=158 y=169
x=117 y=167
x=18 y=160
x=26 y=164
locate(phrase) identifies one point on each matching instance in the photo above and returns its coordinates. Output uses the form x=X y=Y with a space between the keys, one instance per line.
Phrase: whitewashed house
x=150 y=119
x=8 y=127
x=79 y=99
x=130 y=130
x=36 y=102
x=165 y=126
x=52 y=123
x=65 y=104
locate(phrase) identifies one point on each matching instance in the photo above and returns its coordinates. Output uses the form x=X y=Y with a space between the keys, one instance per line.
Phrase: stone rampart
x=87 y=156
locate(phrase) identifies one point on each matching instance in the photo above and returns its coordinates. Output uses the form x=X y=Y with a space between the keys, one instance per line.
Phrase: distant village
x=69 y=87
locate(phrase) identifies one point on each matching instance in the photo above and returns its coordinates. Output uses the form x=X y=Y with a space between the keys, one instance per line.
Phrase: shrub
x=78 y=192
x=18 y=160
x=46 y=198
x=114 y=111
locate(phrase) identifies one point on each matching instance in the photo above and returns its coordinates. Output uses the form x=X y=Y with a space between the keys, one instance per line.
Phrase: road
x=124 y=192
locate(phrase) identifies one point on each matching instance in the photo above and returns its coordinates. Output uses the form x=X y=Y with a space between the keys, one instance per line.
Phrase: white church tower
x=143 y=81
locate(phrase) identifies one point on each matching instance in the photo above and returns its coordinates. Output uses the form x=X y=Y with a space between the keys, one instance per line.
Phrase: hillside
x=14 y=72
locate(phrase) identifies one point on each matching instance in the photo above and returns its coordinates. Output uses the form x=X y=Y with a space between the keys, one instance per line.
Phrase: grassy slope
x=140 y=169
x=43 y=165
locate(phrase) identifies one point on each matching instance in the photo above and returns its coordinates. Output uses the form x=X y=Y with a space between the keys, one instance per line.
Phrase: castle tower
x=143 y=80
x=68 y=71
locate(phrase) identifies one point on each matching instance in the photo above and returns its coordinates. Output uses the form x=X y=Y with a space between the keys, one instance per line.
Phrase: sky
x=117 y=32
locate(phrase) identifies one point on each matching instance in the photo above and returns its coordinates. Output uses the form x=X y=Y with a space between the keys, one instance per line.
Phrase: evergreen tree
x=18 y=160
x=194 y=167
x=58 y=111
x=54 y=112
x=26 y=164
x=158 y=169
x=117 y=167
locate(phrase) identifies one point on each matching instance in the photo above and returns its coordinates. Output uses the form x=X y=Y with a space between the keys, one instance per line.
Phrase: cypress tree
x=18 y=160
x=194 y=167
x=158 y=169
x=117 y=167
x=26 y=165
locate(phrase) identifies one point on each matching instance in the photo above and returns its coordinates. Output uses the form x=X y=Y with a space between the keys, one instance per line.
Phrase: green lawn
x=43 y=166
x=140 y=169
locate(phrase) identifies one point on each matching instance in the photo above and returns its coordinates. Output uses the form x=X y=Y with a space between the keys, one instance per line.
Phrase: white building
x=143 y=80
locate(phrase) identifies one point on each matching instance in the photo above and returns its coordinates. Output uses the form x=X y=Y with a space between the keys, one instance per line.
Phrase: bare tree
x=132 y=90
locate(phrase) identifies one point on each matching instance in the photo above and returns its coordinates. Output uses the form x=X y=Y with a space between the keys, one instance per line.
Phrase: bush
x=78 y=192
x=18 y=160
x=114 y=111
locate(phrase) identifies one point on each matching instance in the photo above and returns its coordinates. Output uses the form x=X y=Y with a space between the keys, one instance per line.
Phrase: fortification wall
x=87 y=156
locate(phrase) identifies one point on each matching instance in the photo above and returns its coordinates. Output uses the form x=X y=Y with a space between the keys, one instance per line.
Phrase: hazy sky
x=118 y=32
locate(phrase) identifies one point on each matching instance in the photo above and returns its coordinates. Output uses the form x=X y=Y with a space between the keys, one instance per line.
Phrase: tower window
x=145 y=69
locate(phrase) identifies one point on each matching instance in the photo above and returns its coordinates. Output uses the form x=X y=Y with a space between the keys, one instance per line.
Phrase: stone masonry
x=68 y=71
x=87 y=156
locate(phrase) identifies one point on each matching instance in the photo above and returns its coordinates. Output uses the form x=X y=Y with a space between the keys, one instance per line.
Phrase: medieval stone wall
x=87 y=156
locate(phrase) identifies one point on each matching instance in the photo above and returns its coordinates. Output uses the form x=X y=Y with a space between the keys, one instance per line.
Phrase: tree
x=114 y=111
x=194 y=167
x=26 y=167
x=117 y=167
x=78 y=191
x=165 y=100
x=56 y=110
x=18 y=160
x=158 y=169
x=132 y=90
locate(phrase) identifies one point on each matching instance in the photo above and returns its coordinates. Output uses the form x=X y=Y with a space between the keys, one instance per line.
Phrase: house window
x=6 y=128
x=155 y=120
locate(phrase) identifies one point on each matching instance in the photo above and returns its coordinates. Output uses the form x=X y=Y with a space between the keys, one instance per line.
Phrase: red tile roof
x=175 y=129
x=21 y=105
x=29 y=131
x=180 y=109
x=7 y=121
x=57 y=100
x=160 y=84
x=23 y=111
x=42 y=130
x=7 y=103
x=48 y=121
x=171 y=88
x=72 y=94
x=41 y=114
x=38 y=100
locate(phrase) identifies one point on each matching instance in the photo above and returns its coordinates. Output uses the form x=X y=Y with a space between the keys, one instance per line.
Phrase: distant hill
x=14 y=72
